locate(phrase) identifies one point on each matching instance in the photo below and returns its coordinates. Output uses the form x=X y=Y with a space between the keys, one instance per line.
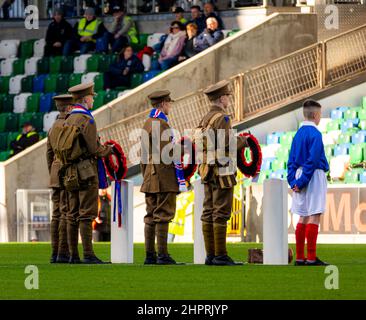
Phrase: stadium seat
x=25 y=117
x=4 y=155
x=362 y=124
x=344 y=138
x=351 y=113
x=358 y=137
x=349 y=124
x=143 y=37
x=154 y=39
x=30 y=65
x=110 y=95
x=11 y=122
x=92 y=63
x=20 y=102
x=38 y=48
x=341 y=150
x=75 y=79
x=6 y=66
x=55 y=64
x=50 y=83
x=15 y=84
x=49 y=119
x=98 y=100
x=43 y=65
x=33 y=102
x=278 y=174
x=4 y=84
x=352 y=177
x=3 y=141
x=329 y=151
x=8 y=103
x=146 y=61
x=226 y=32
x=80 y=63
x=18 y=66
x=104 y=62
x=333 y=125
x=282 y=153
x=37 y=121
x=149 y=75
x=363 y=177
x=8 y=48
x=67 y=64
x=11 y=137
x=39 y=83
x=27 y=84
x=336 y=114
x=95 y=77
x=286 y=139
x=267 y=163
x=323 y=124
x=2 y=97
x=46 y=102
x=362 y=114
x=278 y=165
x=356 y=153
x=62 y=83
x=136 y=80
x=274 y=138
x=26 y=49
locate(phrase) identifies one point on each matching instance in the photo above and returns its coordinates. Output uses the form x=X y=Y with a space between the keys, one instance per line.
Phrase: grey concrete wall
x=276 y=37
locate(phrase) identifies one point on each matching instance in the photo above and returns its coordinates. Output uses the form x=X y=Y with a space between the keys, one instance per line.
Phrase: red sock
x=300 y=241
x=311 y=237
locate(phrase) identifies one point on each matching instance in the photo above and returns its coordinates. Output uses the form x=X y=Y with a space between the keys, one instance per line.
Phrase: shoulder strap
x=213 y=119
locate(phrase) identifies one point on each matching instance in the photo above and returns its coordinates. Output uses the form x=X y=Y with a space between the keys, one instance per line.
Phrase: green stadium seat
x=333 y=125
x=105 y=61
x=8 y=103
x=344 y=138
x=50 y=83
x=99 y=82
x=4 y=155
x=8 y=122
x=62 y=83
x=3 y=121
x=75 y=79
x=4 y=84
x=2 y=97
x=24 y=117
x=286 y=139
x=362 y=114
x=278 y=165
x=136 y=80
x=11 y=137
x=18 y=66
x=142 y=42
x=329 y=151
x=362 y=124
x=363 y=102
x=282 y=153
x=67 y=64
x=110 y=95
x=33 y=102
x=3 y=141
x=37 y=120
x=92 y=64
x=27 y=84
x=352 y=176
x=98 y=100
x=356 y=153
x=43 y=66
x=351 y=113
x=26 y=49
x=55 y=64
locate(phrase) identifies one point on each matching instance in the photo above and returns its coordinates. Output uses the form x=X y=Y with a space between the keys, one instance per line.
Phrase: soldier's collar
x=216 y=107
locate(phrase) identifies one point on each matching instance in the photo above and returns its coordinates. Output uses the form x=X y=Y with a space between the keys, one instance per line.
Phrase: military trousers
x=58 y=222
x=160 y=207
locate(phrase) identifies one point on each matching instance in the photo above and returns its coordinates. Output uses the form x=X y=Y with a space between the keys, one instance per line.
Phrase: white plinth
x=199 y=252
x=275 y=211
x=122 y=238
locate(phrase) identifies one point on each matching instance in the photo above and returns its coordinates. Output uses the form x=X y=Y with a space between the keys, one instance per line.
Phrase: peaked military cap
x=159 y=96
x=82 y=90
x=63 y=100
x=217 y=90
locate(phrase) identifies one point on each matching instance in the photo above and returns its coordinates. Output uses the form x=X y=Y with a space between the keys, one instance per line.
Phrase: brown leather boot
x=208 y=236
x=86 y=234
x=150 y=244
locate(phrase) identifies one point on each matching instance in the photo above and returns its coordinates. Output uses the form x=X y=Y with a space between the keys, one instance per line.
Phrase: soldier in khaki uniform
x=83 y=202
x=60 y=250
x=218 y=185
x=159 y=181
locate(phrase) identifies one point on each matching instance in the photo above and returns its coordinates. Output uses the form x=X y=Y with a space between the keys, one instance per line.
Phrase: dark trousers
x=6 y=6
x=50 y=50
x=73 y=45
x=108 y=39
x=112 y=81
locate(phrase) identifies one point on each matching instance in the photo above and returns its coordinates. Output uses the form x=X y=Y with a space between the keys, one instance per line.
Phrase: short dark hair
x=196 y=7
x=309 y=103
x=180 y=25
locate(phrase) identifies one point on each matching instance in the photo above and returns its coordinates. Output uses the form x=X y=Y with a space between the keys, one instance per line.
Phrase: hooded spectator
x=210 y=36
x=58 y=32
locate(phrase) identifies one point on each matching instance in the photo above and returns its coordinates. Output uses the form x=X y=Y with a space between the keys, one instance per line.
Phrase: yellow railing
x=265 y=88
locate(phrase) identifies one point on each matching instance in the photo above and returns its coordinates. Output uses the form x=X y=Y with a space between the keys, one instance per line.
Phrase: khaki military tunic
x=159 y=180
x=218 y=200
x=59 y=196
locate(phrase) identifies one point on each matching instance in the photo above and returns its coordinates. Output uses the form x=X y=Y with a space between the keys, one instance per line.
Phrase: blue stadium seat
x=363 y=177
x=38 y=83
x=279 y=174
x=342 y=149
x=348 y=124
x=359 y=137
x=266 y=164
x=343 y=109
x=336 y=114
x=155 y=65
x=274 y=137
x=149 y=75
x=46 y=102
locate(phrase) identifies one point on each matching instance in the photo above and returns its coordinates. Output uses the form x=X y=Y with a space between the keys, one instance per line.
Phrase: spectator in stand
x=85 y=34
x=197 y=18
x=173 y=46
x=120 y=72
x=6 y=7
x=209 y=11
x=179 y=15
x=210 y=36
x=59 y=31
x=189 y=46
x=123 y=32
x=28 y=137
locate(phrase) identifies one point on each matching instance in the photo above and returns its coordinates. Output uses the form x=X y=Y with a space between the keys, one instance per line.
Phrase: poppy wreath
x=252 y=168
x=116 y=163
x=190 y=168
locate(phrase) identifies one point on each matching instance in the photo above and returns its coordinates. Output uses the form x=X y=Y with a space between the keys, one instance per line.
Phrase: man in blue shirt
x=306 y=168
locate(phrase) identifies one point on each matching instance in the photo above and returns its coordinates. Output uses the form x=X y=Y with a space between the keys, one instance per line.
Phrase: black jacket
x=58 y=32
x=134 y=64
x=23 y=141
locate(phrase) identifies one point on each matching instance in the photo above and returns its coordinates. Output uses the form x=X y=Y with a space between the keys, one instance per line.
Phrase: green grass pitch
x=180 y=282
